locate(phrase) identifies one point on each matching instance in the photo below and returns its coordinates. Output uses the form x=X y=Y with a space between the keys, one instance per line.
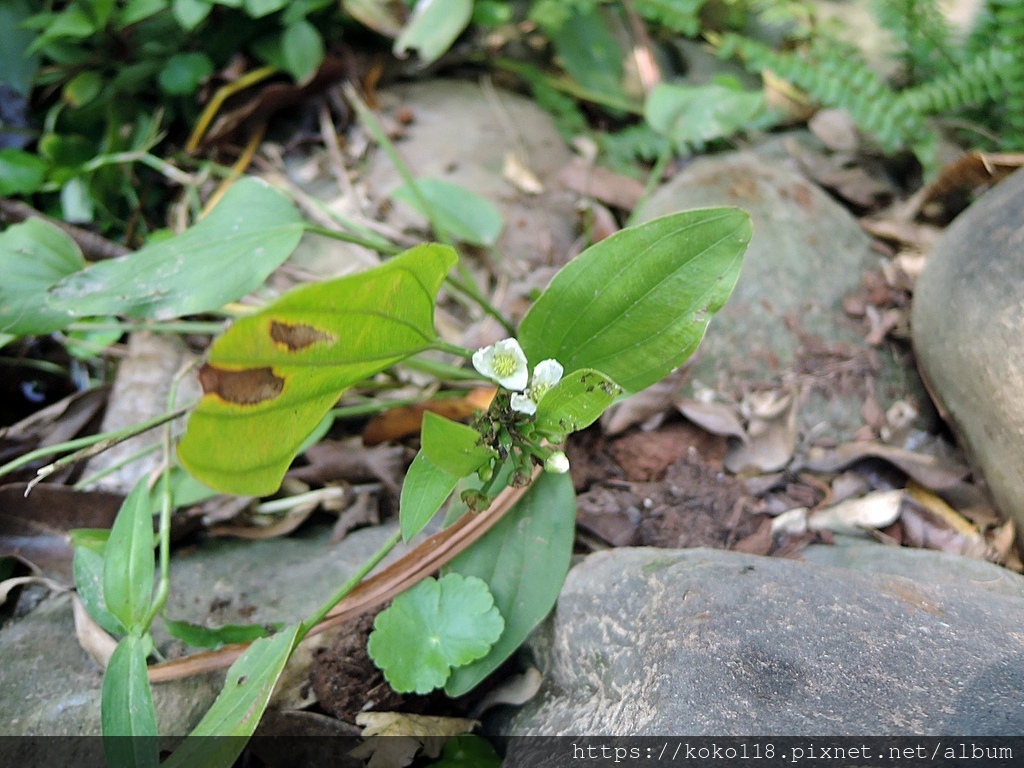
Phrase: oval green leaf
x=453 y=447
x=636 y=305
x=274 y=374
x=128 y=565
x=302 y=49
x=127 y=714
x=425 y=490
x=454 y=210
x=226 y=255
x=432 y=28
x=523 y=560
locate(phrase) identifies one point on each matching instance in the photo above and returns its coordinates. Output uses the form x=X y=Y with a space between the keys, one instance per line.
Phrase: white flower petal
x=503 y=362
x=547 y=373
x=523 y=404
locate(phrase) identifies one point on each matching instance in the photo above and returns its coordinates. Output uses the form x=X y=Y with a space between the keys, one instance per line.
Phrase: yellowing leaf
x=274 y=375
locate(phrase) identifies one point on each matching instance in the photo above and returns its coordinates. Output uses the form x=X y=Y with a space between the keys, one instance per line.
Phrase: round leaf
x=185 y=72
x=433 y=627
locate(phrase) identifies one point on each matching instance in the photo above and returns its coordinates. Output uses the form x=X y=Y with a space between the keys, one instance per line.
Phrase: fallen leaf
x=8 y=585
x=404 y=736
x=771 y=434
x=927 y=528
x=519 y=175
x=931 y=472
x=514 y=691
x=875 y=510
x=836 y=129
x=654 y=401
x=759 y=542
x=608 y=187
x=396 y=423
x=716 y=418
x=93 y=638
x=974 y=169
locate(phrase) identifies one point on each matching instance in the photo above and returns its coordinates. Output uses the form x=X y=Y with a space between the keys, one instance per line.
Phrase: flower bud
x=557 y=463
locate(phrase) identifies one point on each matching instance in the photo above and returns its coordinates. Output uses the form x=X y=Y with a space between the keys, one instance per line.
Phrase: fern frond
x=922 y=34
x=837 y=76
x=981 y=80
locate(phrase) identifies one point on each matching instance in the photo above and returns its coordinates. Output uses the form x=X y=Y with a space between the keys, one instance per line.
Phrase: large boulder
x=968 y=331
x=702 y=642
x=784 y=324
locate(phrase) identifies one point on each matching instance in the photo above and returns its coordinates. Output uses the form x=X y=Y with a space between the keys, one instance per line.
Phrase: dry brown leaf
x=759 y=542
x=514 y=691
x=645 y=405
x=716 y=418
x=974 y=169
x=518 y=174
x=835 y=129
x=405 y=736
x=396 y=423
x=609 y=187
x=875 y=510
x=924 y=528
x=19 y=581
x=91 y=636
x=771 y=434
x=931 y=472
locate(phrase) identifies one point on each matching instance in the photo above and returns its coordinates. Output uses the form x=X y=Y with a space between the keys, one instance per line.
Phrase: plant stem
x=653 y=179
x=349 y=585
x=380 y=245
x=531 y=74
x=179 y=326
x=97 y=476
x=440 y=370
x=84 y=447
x=465 y=282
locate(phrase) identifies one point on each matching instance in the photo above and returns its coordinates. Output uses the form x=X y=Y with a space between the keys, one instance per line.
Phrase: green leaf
x=21 y=173
x=205 y=637
x=129 y=568
x=76 y=203
x=137 y=10
x=691 y=115
x=72 y=23
x=453 y=209
x=424 y=491
x=590 y=53
x=636 y=305
x=431 y=628
x=523 y=560
x=88 y=569
x=575 y=402
x=83 y=88
x=33 y=256
x=190 y=13
x=468 y=751
x=453 y=447
x=99 y=10
x=259 y=8
x=274 y=374
x=221 y=735
x=184 y=73
x=302 y=48
x=127 y=714
x=226 y=255
x=432 y=28
x=16 y=67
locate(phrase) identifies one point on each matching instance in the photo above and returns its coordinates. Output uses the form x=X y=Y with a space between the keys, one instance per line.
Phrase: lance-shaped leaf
x=425 y=490
x=226 y=255
x=457 y=449
x=127 y=712
x=636 y=305
x=274 y=375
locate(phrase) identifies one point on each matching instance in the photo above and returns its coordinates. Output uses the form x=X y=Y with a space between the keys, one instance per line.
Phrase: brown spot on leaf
x=297 y=336
x=248 y=387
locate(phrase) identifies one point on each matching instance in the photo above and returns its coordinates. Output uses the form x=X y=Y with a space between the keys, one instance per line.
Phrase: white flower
x=523 y=404
x=546 y=374
x=557 y=463
x=503 y=362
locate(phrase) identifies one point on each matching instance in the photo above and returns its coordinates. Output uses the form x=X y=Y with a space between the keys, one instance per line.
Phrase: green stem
x=97 y=476
x=380 y=245
x=464 y=283
x=532 y=74
x=440 y=370
x=179 y=326
x=87 y=446
x=349 y=585
x=653 y=179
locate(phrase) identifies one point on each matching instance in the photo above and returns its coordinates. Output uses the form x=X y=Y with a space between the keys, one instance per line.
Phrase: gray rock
x=700 y=642
x=784 y=322
x=49 y=685
x=459 y=134
x=968 y=326
x=927 y=565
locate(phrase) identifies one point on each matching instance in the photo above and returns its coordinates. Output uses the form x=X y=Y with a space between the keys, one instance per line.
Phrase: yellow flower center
x=504 y=365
